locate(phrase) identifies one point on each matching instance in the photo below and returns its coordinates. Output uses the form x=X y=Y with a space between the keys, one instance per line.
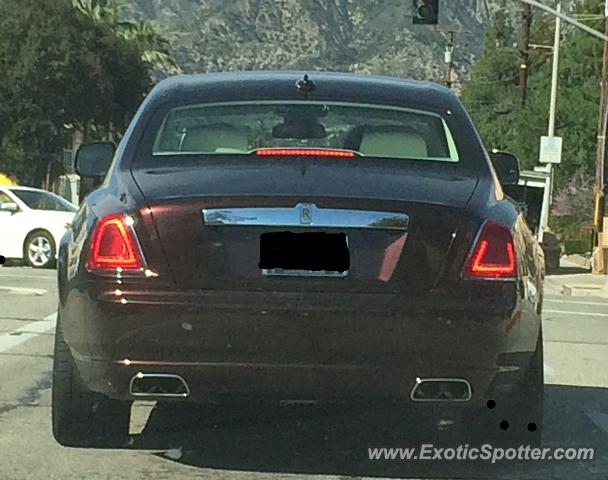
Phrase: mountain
x=365 y=36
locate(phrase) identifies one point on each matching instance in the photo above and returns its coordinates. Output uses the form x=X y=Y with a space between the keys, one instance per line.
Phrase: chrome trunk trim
x=306 y=215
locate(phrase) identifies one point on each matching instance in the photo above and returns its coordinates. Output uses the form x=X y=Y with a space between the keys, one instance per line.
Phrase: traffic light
x=426 y=12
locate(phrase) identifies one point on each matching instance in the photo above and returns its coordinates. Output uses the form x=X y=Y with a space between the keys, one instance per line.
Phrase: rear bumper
x=289 y=346
x=214 y=381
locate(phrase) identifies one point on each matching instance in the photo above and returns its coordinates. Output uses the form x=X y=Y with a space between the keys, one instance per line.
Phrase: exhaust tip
x=158 y=385
x=441 y=390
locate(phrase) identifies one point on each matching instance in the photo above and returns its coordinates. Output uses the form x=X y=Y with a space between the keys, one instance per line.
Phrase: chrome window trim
x=454 y=155
x=306 y=215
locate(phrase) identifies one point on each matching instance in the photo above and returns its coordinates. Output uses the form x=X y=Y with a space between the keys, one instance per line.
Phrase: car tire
x=523 y=417
x=39 y=249
x=516 y=417
x=80 y=417
x=528 y=418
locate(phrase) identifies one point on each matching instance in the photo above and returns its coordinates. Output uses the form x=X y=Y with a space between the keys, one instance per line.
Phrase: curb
x=580 y=291
x=577 y=259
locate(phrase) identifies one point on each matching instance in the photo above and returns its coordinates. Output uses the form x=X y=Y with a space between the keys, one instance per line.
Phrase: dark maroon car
x=280 y=236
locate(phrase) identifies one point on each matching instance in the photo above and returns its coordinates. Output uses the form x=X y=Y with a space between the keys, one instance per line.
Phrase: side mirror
x=11 y=207
x=94 y=159
x=506 y=166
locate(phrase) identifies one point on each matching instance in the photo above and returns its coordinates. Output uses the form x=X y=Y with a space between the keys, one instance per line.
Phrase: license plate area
x=304 y=254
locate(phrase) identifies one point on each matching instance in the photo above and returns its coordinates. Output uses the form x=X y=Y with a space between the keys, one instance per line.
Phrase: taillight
x=493 y=256
x=114 y=244
x=304 y=152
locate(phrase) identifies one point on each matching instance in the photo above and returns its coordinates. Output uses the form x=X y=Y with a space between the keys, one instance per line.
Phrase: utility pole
x=547 y=194
x=599 y=266
x=525 y=45
x=600 y=260
x=448 y=58
x=555 y=74
x=449 y=52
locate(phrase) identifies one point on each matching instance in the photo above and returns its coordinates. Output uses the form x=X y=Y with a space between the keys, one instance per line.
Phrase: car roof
x=273 y=86
x=281 y=84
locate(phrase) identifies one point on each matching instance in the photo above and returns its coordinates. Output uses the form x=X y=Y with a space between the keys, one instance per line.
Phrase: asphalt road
x=179 y=442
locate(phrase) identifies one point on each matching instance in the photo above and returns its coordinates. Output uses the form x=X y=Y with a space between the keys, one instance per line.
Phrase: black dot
x=2 y=259
x=504 y=425
x=491 y=404
x=532 y=427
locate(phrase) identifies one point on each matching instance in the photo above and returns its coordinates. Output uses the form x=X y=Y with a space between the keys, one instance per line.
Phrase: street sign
x=550 y=149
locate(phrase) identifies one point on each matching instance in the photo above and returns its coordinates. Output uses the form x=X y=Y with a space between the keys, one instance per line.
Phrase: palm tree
x=154 y=47
x=107 y=12
x=117 y=15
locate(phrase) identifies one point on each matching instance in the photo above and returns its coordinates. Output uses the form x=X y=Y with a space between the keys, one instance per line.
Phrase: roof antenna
x=306 y=86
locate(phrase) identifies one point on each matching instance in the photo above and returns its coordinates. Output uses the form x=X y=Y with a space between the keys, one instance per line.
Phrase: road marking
x=27 y=332
x=41 y=277
x=575 y=342
x=23 y=291
x=590 y=314
x=574 y=302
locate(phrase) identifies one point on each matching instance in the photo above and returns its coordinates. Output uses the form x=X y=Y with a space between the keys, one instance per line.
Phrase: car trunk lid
x=397 y=219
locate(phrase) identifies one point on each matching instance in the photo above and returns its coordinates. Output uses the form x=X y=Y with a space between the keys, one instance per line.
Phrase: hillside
x=348 y=35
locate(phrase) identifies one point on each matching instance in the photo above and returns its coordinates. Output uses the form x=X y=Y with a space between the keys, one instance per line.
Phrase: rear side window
x=4 y=198
x=37 y=200
x=241 y=128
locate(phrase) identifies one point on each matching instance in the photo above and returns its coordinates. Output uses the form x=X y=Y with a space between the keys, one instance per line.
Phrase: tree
x=492 y=98
x=117 y=16
x=60 y=68
x=107 y=12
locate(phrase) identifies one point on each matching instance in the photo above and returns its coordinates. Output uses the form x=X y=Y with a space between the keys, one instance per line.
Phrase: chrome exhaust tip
x=158 y=385
x=441 y=390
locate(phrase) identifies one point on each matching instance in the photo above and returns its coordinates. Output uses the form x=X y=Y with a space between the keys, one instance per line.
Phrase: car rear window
x=37 y=200
x=241 y=128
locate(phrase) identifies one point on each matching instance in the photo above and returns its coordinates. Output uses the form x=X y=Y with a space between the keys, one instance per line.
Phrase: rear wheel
x=528 y=416
x=82 y=418
x=517 y=418
x=39 y=249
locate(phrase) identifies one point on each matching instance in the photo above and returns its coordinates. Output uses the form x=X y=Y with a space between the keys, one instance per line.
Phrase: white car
x=32 y=222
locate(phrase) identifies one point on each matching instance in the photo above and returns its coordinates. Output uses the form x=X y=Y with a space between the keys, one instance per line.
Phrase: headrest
x=215 y=139
x=393 y=143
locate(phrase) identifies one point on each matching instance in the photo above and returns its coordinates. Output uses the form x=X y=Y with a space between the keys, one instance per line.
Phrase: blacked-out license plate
x=307 y=254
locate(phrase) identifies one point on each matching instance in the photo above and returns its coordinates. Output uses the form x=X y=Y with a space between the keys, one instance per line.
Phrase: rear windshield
x=242 y=128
